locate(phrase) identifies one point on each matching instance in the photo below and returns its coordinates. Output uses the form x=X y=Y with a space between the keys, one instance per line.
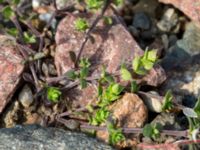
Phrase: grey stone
x=26 y=96
x=168 y=21
x=141 y=21
x=191 y=39
x=34 y=137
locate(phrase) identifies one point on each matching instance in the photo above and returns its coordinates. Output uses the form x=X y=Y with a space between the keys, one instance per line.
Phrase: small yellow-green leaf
x=125 y=74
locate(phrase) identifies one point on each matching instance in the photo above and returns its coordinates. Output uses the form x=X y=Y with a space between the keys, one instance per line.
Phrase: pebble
x=141 y=21
x=168 y=21
x=26 y=96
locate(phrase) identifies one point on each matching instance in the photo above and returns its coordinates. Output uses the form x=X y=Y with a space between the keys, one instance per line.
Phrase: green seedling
x=110 y=94
x=115 y=134
x=100 y=116
x=152 y=131
x=168 y=101
x=94 y=4
x=53 y=94
x=81 y=24
x=142 y=64
x=29 y=39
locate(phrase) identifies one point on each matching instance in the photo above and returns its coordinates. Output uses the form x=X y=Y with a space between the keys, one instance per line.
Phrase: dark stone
x=141 y=21
x=34 y=137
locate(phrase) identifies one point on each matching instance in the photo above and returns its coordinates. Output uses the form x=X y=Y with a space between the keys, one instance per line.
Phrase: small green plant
x=115 y=134
x=94 y=4
x=8 y=12
x=81 y=74
x=142 y=64
x=81 y=24
x=53 y=94
x=152 y=131
x=29 y=39
x=110 y=94
x=100 y=116
x=167 y=103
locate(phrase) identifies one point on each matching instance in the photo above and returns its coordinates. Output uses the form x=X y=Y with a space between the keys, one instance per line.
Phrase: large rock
x=188 y=7
x=38 y=138
x=129 y=111
x=109 y=45
x=10 y=69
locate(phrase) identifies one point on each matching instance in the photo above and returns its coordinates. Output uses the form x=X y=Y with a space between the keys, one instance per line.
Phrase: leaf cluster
x=142 y=64
x=115 y=134
x=167 y=103
x=81 y=24
x=152 y=131
x=53 y=94
x=81 y=74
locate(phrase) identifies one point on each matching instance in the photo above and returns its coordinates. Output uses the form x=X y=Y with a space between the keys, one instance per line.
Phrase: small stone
x=141 y=21
x=36 y=137
x=11 y=115
x=168 y=21
x=129 y=111
x=11 y=68
x=152 y=101
x=26 y=96
x=191 y=39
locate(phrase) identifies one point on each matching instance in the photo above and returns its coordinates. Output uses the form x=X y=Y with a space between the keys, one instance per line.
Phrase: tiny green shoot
x=53 y=94
x=81 y=24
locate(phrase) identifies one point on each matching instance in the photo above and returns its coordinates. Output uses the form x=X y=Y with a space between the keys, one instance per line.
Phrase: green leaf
x=152 y=55
x=100 y=116
x=84 y=63
x=148 y=130
x=84 y=72
x=81 y=24
x=107 y=20
x=134 y=87
x=136 y=63
x=94 y=4
x=7 y=12
x=115 y=134
x=13 y=31
x=168 y=103
x=108 y=78
x=197 y=107
x=83 y=83
x=117 y=88
x=53 y=94
x=30 y=39
x=100 y=90
x=148 y=65
x=125 y=74
x=71 y=74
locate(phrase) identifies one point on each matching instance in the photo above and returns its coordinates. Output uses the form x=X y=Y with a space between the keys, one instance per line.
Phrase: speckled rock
x=38 y=138
x=184 y=82
x=109 y=45
x=11 y=69
x=129 y=111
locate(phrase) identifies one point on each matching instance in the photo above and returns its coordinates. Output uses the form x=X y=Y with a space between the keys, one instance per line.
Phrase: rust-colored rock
x=191 y=8
x=129 y=111
x=10 y=69
x=109 y=45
